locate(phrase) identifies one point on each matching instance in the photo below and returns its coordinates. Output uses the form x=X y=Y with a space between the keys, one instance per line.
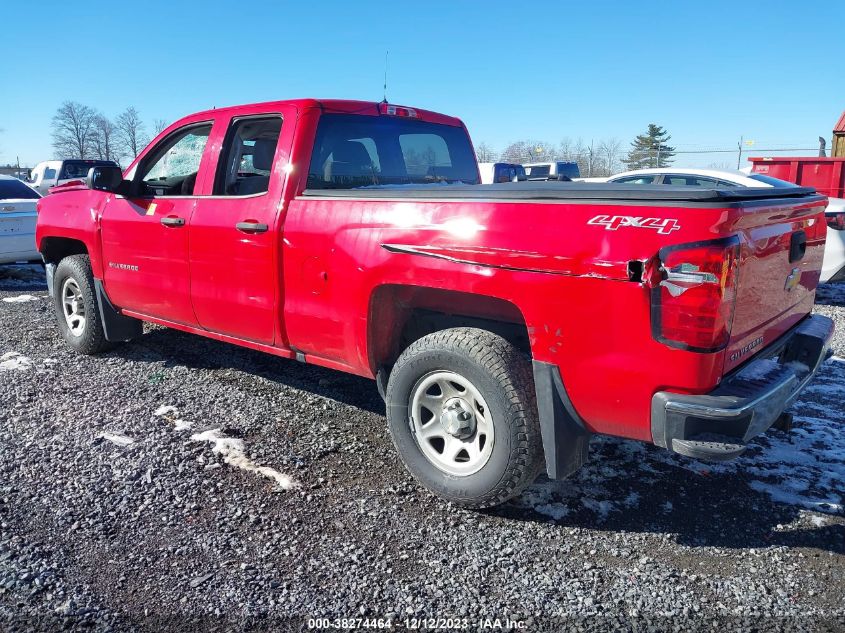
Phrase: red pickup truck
x=504 y=324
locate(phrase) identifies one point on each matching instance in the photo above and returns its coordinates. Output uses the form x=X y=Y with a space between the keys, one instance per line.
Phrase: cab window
x=171 y=168
x=246 y=162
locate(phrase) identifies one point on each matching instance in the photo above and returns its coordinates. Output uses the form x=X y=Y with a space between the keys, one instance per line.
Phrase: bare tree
x=103 y=140
x=130 y=132
x=73 y=130
x=529 y=151
x=609 y=150
x=158 y=126
x=485 y=153
x=517 y=152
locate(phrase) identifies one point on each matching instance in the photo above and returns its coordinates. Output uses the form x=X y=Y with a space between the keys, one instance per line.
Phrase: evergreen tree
x=650 y=149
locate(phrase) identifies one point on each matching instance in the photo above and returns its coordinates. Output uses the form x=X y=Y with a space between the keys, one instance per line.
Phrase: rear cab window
x=353 y=151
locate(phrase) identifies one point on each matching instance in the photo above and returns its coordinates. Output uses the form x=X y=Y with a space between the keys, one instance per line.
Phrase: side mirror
x=104 y=178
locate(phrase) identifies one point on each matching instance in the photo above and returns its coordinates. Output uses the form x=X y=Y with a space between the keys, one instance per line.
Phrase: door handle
x=171 y=221
x=252 y=227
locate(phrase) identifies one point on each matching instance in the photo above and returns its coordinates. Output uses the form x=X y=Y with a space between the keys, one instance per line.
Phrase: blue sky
x=709 y=72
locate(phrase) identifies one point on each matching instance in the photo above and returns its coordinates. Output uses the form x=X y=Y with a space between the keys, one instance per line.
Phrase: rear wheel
x=76 y=306
x=462 y=414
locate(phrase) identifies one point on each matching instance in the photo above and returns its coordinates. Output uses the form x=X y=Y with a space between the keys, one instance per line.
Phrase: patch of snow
x=20 y=299
x=232 y=450
x=759 y=369
x=117 y=438
x=553 y=510
x=601 y=508
x=818 y=521
x=15 y=361
x=169 y=412
x=632 y=500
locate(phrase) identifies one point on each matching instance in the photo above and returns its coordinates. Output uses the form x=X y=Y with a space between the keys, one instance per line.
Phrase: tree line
x=596 y=158
x=80 y=131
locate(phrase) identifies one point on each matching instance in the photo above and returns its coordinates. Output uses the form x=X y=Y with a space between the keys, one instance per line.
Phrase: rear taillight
x=836 y=221
x=693 y=295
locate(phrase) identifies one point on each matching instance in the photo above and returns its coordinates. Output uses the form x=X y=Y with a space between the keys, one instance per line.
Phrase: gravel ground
x=178 y=483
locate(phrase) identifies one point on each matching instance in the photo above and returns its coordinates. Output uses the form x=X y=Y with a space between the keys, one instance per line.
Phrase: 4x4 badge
x=614 y=222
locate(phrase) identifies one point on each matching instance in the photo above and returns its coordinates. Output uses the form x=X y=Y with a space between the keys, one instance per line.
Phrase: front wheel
x=76 y=306
x=462 y=413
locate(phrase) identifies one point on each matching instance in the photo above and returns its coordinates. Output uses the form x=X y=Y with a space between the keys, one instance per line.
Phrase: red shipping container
x=825 y=175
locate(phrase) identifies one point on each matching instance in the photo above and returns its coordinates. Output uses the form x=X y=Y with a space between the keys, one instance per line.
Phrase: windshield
x=14 y=189
x=772 y=182
x=352 y=151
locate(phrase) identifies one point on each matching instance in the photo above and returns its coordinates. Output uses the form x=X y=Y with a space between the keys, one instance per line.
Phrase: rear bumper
x=717 y=426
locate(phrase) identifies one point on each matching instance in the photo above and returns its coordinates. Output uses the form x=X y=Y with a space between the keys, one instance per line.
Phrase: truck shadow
x=174 y=348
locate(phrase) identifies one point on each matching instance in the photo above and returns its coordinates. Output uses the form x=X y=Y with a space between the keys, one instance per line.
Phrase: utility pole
x=739 y=155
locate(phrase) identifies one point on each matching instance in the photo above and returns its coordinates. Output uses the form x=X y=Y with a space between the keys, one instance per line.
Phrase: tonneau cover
x=554 y=190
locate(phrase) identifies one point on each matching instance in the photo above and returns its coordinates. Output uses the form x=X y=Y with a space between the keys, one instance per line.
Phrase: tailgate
x=780 y=264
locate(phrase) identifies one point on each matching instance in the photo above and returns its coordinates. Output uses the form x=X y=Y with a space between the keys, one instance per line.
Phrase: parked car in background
x=833 y=266
x=17 y=221
x=501 y=172
x=50 y=173
x=555 y=170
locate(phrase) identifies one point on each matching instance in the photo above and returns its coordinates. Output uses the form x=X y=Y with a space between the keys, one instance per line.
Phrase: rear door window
x=246 y=162
x=352 y=151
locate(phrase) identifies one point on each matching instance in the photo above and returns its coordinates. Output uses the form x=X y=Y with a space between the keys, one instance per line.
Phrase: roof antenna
x=384 y=100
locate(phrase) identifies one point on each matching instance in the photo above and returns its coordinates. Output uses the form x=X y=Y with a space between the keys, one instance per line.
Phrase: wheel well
x=55 y=249
x=400 y=315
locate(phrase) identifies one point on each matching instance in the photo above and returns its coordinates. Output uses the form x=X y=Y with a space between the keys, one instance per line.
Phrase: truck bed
x=554 y=190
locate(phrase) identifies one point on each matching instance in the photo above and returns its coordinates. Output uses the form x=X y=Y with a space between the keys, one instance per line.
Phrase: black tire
x=503 y=377
x=91 y=339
